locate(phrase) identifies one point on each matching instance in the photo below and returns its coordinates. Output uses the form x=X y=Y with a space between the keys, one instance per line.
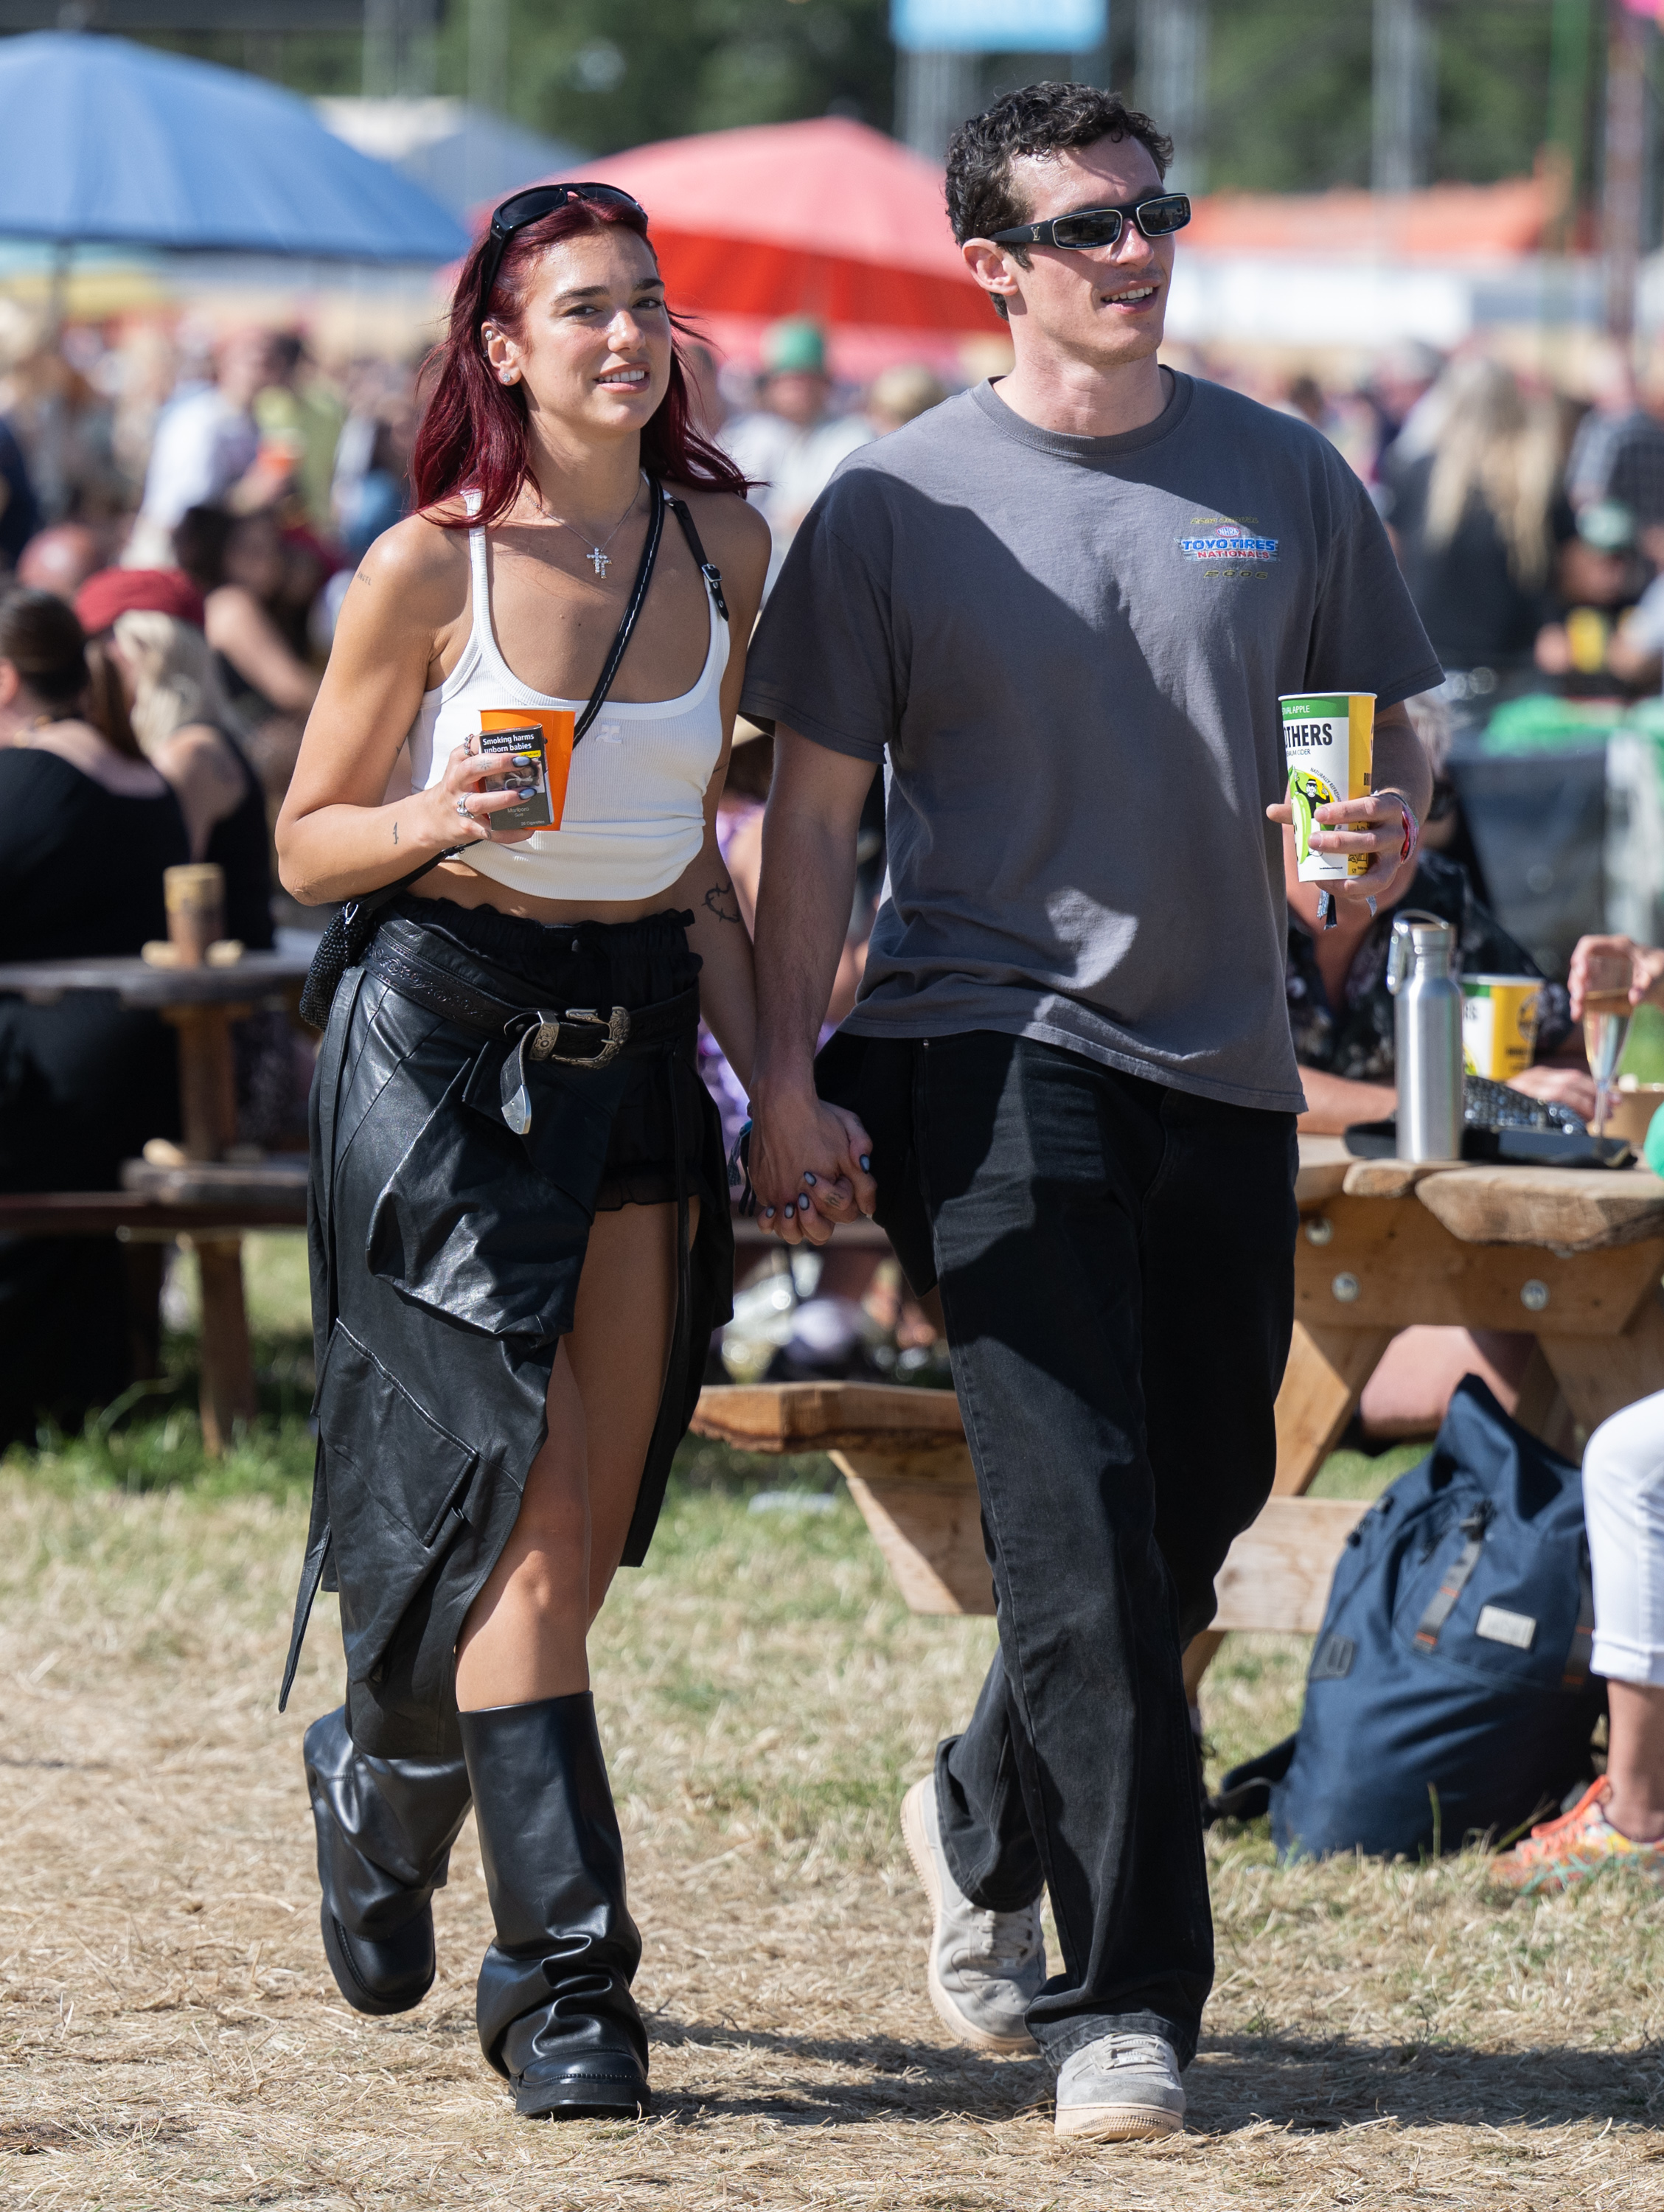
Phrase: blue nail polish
x=767 y=1212
x=866 y=1162
x=808 y=1178
x=528 y=791
x=790 y=1209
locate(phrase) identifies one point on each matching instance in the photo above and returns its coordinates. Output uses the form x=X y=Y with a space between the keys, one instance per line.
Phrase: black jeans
x=1116 y=1261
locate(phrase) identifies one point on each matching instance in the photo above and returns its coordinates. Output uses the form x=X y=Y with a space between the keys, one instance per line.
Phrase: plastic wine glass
x=1606 y=1011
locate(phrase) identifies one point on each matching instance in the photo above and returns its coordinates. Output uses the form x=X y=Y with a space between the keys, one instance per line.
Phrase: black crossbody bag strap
x=707 y=570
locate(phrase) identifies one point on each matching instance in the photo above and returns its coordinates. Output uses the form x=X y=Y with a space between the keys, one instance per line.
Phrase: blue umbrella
x=120 y=145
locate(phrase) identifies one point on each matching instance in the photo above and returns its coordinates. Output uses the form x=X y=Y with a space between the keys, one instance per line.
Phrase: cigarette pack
x=529 y=768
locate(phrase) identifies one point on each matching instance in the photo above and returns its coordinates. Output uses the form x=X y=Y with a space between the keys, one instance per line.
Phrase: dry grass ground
x=169 y=2036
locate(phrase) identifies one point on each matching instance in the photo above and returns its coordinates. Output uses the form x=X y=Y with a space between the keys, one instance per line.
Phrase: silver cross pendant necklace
x=598 y=556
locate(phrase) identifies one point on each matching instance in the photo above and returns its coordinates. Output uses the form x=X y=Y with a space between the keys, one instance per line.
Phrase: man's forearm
x=803 y=917
x=1400 y=761
x=1338 y=1103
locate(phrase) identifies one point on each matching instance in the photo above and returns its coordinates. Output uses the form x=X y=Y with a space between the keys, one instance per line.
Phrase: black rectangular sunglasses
x=1158 y=217
x=532 y=206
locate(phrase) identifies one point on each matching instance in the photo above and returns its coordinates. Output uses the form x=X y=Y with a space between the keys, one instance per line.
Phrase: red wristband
x=1411 y=827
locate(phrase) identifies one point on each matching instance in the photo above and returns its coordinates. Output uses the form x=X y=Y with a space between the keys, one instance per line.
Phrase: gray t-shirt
x=1071 y=650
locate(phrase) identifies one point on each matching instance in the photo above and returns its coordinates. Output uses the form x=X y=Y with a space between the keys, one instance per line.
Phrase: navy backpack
x=1450 y=1692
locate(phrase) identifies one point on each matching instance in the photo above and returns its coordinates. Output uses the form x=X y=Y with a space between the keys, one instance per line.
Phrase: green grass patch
x=1366 y=1474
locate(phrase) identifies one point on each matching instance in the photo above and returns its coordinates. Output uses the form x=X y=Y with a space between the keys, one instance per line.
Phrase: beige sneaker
x=985 y=1968
x=1122 y=2088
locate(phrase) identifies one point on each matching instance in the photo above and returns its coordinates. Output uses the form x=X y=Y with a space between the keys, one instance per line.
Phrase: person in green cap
x=791 y=442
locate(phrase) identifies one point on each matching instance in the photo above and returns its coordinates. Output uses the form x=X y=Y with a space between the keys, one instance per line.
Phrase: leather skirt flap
x=397 y=1484
x=468 y=1223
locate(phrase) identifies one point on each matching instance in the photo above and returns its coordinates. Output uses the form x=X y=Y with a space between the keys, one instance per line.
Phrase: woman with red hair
x=520 y=1237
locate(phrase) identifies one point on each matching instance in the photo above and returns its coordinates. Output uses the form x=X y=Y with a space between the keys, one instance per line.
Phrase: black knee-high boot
x=554 y=2010
x=385 y=1831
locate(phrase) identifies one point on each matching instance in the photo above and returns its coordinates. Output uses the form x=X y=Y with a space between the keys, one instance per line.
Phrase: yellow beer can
x=1328 y=741
x=1498 y=1023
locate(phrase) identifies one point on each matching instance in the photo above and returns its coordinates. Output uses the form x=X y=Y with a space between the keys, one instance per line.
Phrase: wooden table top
x=1565 y=1210
x=276 y=1184
x=256 y=975
x=810 y=1417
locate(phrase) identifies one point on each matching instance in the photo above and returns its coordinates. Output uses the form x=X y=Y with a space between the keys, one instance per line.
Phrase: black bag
x=347 y=939
x=1450 y=1693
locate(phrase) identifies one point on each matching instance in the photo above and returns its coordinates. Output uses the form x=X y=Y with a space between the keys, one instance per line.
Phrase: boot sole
x=924 y=1865
x=549 y=2104
x=1116 y=2123
x=359 y=1994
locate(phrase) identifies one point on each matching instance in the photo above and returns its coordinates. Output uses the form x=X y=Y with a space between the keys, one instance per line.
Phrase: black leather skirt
x=462 y=1141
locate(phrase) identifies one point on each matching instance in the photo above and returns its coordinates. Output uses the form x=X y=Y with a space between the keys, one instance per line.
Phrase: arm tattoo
x=395 y=829
x=720 y=900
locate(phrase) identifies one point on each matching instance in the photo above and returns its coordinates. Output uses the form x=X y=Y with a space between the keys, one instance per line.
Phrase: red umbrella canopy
x=827 y=218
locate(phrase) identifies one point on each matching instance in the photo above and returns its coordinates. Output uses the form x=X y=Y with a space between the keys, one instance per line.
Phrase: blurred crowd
x=194 y=504
x=1529 y=524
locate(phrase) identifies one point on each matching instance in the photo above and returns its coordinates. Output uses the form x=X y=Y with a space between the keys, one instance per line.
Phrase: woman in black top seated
x=1342 y=1013
x=86 y=826
x=1342 y=1016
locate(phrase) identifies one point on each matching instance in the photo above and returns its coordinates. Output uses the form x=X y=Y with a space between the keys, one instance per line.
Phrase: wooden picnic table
x=1574 y=1257
x=208 y=1200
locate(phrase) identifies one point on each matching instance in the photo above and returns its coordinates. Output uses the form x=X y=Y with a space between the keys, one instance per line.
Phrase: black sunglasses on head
x=1156 y=218
x=532 y=206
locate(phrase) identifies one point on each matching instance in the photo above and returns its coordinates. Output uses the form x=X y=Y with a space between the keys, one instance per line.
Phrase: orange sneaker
x=1560 y=1854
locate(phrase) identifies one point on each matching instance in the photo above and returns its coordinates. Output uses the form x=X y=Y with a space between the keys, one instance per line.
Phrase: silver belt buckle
x=616 y=1025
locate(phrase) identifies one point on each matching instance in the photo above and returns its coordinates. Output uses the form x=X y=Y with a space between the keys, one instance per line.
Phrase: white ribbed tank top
x=635 y=815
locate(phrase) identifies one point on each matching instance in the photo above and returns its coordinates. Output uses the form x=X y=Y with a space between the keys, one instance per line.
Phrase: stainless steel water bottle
x=1427 y=1022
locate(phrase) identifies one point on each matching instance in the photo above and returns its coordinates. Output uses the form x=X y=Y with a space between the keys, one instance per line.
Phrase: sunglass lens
x=1160 y=218
x=1099 y=227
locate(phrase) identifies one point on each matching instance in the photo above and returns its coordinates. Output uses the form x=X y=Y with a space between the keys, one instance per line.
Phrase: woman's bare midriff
x=466 y=886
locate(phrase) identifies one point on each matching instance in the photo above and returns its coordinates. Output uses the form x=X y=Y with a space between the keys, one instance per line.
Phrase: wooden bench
x=902 y=1452
x=1574 y=1258
x=208 y=1199
x=207 y=1208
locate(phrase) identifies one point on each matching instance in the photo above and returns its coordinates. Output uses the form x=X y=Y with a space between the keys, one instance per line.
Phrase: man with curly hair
x=1060 y=610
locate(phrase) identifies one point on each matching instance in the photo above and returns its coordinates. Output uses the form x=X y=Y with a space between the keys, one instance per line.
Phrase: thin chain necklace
x=597 y=555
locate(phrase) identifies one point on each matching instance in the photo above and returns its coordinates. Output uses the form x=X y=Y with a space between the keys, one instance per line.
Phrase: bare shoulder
x=726 y=521
x=733 y=532
x=417 y=573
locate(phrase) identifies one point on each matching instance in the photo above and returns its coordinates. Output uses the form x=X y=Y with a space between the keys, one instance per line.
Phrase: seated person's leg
x=1410 y=1392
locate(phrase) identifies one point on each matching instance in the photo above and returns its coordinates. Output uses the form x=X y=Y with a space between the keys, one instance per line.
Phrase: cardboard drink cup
x=1498 y=1024
x=1328 y=740
x=538 y=740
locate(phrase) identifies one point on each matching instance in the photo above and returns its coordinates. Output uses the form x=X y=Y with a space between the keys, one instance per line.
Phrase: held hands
x=1646 y=970
x=1373 y=825
x=445 y=820
x=810 y=1167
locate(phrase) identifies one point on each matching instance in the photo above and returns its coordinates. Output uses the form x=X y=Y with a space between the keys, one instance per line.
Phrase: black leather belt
x=575 y=1037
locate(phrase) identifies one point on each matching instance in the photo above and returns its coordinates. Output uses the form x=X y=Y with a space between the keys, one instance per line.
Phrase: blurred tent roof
x=1441 y=223
x=461 y=154
x=122 y=145
x=827 y=218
